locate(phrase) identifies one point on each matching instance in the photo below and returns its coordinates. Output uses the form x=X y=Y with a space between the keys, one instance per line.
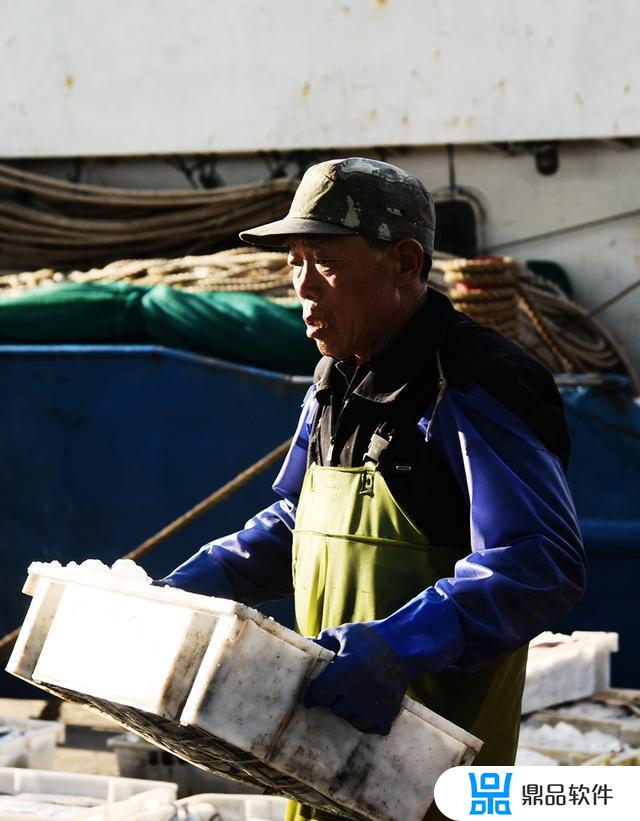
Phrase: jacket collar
x=411 y=353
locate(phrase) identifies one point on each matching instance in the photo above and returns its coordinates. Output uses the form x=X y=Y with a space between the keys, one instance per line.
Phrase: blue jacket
x=499 y=439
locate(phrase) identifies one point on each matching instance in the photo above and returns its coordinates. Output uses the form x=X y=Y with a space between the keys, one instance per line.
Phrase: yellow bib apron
x=357 y=556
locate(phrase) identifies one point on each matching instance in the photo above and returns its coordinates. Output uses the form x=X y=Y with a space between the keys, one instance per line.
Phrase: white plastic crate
x=32 y=795
x=604 y=730
x=227 y=807
x=139 y=759
x=220 y=685
x=566 y=744
x=567 y=667
x=29 y=742
x=613 y=712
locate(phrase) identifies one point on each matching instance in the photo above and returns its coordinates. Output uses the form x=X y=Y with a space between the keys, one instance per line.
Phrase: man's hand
x=366 y=681
x=199 y=574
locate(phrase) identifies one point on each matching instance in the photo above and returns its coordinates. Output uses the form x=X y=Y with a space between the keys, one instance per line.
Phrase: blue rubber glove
x=375 y=660
x=366 y=681
x=200 y=574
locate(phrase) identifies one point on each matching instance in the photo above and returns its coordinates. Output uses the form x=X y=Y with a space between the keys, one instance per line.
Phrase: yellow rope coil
x=470 y=294
x=485 y=289
x=482 y=265
x=539 y=325
x=496 y=278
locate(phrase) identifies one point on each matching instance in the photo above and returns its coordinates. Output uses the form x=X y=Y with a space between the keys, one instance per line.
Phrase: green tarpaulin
x=235 y=326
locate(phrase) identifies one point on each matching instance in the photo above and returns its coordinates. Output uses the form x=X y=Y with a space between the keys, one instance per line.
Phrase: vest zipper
x=332 y=440
x=442 y=389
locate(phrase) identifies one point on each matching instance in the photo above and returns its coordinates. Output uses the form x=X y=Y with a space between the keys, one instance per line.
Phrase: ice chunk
x=531 y=758
x=130 y=571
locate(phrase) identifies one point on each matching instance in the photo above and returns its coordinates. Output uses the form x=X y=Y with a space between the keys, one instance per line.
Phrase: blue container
x=604 y=476
x=103 y=446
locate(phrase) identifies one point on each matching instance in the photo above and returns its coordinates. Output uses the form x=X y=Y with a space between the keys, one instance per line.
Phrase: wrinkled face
x=347 y=292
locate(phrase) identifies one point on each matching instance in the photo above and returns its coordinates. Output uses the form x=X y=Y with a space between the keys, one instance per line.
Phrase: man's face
x=347 y=292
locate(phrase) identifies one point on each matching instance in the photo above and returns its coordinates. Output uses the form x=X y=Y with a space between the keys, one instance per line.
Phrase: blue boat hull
x=103 y=446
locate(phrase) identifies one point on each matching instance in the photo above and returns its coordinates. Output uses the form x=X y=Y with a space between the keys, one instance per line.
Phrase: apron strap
x=380 y=441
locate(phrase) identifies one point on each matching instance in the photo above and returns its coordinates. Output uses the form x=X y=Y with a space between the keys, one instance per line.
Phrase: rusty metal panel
x=152 y=76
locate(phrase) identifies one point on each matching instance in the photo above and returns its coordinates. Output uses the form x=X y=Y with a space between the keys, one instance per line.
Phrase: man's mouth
x=314 y=324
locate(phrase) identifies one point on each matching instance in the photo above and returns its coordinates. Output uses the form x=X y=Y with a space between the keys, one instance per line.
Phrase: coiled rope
x=485 y=289
x=238 y=269
x=46 y=221
x=534 y=312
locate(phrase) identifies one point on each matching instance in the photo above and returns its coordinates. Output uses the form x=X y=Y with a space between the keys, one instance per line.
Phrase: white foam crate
x=33 y=795
x=567 y=667
x=31 y=743
x=220 y=685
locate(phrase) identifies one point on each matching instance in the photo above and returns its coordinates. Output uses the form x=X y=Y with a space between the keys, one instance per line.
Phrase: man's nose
x=305 y=282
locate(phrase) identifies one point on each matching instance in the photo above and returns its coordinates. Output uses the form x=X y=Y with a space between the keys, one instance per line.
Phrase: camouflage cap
x=354 y=196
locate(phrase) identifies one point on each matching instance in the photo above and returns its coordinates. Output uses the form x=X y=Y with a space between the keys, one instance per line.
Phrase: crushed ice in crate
x=124 y=569
x=548 y=638
x=563 y=736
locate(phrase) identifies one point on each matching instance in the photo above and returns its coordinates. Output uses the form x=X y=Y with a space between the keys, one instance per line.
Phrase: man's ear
x=410 y=256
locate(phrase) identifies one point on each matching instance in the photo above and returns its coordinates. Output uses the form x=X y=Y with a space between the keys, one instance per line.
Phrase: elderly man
x=425 y=524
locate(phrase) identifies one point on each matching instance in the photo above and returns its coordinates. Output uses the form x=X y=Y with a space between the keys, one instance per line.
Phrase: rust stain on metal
x=69 y=82
x=306 y=88
x=471 y=121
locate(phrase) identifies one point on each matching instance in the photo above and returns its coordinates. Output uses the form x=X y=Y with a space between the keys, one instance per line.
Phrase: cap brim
x=275 y=234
